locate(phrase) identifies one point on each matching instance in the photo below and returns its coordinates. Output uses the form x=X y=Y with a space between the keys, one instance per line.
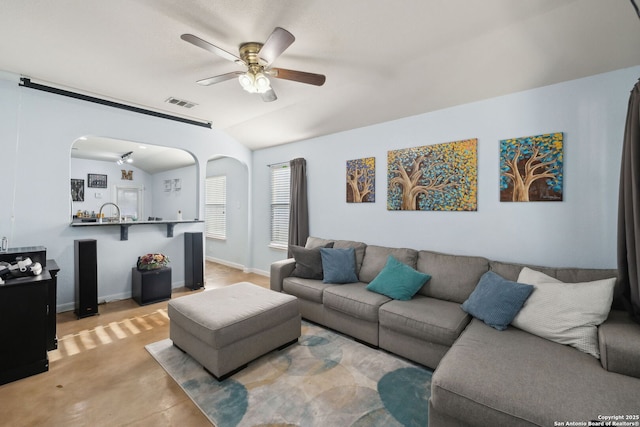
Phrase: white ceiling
x=150 y=158
x=383 y=59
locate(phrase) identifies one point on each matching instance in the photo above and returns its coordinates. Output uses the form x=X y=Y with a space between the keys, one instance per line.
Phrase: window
x=280 y=195
x=216 y=207
x=129 y=199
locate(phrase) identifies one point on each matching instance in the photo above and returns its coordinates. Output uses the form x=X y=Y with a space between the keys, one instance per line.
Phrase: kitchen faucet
x=108 y=203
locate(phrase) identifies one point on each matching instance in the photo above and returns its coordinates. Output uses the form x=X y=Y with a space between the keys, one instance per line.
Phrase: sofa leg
x=283 y=346
x=375 y=347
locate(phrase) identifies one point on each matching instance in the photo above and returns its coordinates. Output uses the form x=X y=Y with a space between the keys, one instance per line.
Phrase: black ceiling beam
x=26 y=82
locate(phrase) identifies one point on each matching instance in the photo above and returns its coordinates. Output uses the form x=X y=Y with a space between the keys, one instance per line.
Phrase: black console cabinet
x=149 y=286
x=24 y=326
x=39 y=254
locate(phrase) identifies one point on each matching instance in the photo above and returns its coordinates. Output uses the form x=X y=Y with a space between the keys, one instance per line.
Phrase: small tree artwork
x=441 y=177
x=531 y=168
x=361 y=180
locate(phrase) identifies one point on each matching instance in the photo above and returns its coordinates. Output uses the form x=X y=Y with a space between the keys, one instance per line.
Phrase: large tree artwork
x=531 y=168
x=441 y=177
x=361 y=180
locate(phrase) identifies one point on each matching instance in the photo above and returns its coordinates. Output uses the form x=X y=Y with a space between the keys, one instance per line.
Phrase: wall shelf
x=124 y=226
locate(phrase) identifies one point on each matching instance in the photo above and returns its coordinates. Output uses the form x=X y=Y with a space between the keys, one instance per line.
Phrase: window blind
x=280 y=196
x=216 y=207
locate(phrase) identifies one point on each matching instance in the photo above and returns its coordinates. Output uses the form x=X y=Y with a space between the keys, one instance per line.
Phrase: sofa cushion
x=567 y=313
x=513 y=378
x=511 y=271
x=425 y=318
x=308 y=261
x=355 y=300
x=307 y=289
x=317 y=242
x=453 y=277
x=398 y=280
x=338 y=265
x=496 y=300
x=359 y=247
x=375 y=258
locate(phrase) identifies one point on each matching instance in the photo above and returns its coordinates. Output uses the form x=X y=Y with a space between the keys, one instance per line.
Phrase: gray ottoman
x=226 y=328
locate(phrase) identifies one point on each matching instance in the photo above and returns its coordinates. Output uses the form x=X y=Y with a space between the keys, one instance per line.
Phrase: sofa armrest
x=619 y=339
x=279 y=271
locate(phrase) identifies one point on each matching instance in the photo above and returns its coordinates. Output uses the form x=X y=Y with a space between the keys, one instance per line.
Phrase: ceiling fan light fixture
x=254 y=82
x=247 y=82
x=261 y=83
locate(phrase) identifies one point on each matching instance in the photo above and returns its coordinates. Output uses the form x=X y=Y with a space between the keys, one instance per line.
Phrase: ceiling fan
x=257 y=57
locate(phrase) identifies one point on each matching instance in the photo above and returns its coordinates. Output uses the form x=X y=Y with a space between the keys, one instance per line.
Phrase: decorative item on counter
x=152 y=261
x=25 y=267
x=179 y=216
x=5 y=245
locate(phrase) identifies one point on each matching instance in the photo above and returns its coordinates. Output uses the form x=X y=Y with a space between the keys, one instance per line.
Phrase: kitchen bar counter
x=124 y=226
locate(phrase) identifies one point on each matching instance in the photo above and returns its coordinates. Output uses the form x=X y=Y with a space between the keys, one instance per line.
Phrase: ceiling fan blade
x=279 y=40
x=298 y=76
x=197 y=41
x=269 y=96
x=217 y=79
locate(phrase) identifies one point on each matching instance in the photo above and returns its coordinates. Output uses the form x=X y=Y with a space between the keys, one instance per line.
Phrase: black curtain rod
x=26 y=82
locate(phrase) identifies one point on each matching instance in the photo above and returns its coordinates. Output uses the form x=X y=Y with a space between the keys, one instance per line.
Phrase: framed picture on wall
x=95 y=180
x=77 y=190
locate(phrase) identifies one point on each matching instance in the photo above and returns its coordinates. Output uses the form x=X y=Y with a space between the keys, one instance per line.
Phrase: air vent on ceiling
x=180 y=102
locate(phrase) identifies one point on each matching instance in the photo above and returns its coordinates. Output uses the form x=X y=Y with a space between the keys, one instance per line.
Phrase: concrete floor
x=101 y=374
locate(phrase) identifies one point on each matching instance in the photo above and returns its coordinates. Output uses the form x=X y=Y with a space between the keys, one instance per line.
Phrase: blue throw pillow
x=496 y=300
x=339 y=265
x=398 y=281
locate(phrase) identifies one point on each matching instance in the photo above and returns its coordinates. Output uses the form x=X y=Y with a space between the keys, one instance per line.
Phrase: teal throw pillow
x=398 y=281
x=338 y=265
x=496 y=300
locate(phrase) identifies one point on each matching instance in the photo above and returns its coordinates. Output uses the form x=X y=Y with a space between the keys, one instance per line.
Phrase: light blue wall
x=166 y=204
x=96 y=197
x=580 y=231
x=232 y=251
x=37 y=130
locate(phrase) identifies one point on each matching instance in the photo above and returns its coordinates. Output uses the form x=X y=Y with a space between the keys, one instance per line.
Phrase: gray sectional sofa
x=483 y=376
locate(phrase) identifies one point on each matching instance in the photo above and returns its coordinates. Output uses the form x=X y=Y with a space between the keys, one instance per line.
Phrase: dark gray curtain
x=628 y=290
x=298 y=210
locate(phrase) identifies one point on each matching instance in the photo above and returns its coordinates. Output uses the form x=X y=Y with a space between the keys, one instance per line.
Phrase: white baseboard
x=238 y=266
x=258 y=271
x=227 y=263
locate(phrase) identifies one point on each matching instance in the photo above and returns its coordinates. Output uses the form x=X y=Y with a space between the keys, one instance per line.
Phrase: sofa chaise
x=482 y=376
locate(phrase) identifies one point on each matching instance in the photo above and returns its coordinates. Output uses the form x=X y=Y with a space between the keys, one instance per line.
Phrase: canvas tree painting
x=361 y=180
x=531 y=168
x=441 y=177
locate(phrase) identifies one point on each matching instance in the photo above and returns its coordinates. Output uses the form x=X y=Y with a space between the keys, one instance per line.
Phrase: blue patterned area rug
x=326 y=379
